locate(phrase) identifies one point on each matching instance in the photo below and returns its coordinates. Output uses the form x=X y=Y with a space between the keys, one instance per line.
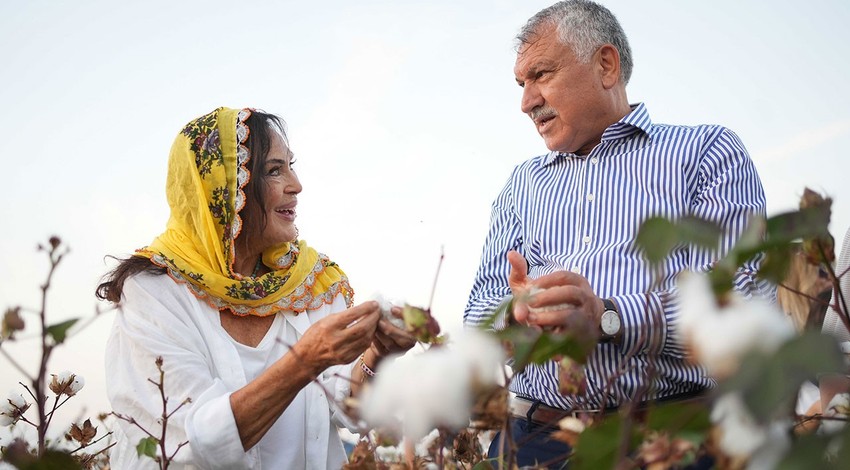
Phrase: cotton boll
x=77 y=384
x=740 y=434
x=16 y=400
x=426 y=442
x=484 y=354
x=433 y=388
x=776 y=445
x=389 y=454
x=720 y=337
x=12 y=408
x=386 y=310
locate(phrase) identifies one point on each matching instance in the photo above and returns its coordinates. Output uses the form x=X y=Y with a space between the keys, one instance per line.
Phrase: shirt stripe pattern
x=582 y=213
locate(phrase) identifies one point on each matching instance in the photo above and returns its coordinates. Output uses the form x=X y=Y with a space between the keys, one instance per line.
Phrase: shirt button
x=576 y=269
x=594 y=160
x=586 y=241
x=590 y=197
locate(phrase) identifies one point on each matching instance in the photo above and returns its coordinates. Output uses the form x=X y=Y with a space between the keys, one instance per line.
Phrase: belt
x=537 y=412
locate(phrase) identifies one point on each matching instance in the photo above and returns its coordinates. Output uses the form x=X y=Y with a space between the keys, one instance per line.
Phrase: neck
x=246 y=261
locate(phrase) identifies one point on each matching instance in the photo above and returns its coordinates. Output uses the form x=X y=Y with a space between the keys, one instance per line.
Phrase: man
x=562 y=230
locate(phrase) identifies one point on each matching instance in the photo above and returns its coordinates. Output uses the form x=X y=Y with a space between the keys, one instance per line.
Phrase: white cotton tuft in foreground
x=741 y=434
x=434 y=388
x=719 y=337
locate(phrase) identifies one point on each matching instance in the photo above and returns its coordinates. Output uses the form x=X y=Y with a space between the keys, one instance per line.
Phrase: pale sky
x=404 y=118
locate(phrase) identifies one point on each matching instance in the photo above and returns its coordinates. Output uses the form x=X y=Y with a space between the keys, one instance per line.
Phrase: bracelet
x=365 y=368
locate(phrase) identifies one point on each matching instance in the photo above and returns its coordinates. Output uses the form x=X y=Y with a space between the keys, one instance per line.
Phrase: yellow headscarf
x=206 y=174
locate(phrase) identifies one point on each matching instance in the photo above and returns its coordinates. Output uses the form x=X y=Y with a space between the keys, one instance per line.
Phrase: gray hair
x=585 y=26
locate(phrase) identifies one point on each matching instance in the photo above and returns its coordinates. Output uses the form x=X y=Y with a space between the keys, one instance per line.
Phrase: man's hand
x=561 y=301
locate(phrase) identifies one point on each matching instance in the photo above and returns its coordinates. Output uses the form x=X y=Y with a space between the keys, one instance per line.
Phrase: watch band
x=609 y=305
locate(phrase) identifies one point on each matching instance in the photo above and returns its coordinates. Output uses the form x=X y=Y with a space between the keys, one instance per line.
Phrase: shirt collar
x=636 y=121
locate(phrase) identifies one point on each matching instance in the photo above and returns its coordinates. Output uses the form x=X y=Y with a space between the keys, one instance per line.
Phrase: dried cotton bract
x=719 y=337
x=435 y=388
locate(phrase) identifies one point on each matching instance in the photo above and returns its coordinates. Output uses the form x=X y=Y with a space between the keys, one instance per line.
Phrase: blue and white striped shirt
x=582 y=213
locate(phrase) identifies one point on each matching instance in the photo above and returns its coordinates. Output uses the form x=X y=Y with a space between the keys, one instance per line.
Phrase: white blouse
x=159 y=317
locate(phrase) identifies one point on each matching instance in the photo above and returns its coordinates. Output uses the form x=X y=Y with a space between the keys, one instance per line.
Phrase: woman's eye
x=291 y=163
x=274 y=171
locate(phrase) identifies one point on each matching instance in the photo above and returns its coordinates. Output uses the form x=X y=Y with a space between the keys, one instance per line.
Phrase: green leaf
x=483 y=465
x=844 y=452
x=147 y=446
x=531 y=345
x=656 y=237
x=699 y=232
x=59 y=331
x=680 y=419
x=551 y=344
x=805 y=223
x=52 y=460
x=808 y=451
x=505 y=308
x=522 y=340
x=769 y=384
x=597 y=446
x=776 y=263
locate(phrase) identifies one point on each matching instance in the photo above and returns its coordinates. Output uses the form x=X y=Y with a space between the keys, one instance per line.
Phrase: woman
x=255 y=327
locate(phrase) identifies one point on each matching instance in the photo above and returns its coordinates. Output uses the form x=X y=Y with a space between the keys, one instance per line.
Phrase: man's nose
x=531 y=98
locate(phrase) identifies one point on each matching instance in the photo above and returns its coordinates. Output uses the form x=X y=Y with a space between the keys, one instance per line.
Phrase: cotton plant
x=45 y=392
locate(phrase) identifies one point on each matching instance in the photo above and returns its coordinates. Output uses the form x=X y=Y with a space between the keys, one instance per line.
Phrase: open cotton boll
x=741 y=435
x=386 y=310
x=720 y=337
x=433 y=388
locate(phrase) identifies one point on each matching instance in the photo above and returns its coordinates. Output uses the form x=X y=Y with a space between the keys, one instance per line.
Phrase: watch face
x=610 y=322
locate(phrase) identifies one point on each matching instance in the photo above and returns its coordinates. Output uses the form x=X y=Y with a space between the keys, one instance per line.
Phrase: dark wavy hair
x=261 y=126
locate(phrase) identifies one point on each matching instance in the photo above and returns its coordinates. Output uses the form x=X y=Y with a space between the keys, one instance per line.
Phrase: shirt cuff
x=644 y=322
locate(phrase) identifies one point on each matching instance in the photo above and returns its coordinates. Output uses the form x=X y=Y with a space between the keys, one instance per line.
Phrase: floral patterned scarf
x=206 y=174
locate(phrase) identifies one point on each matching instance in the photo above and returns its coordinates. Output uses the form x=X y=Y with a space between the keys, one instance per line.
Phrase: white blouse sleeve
x=160 y=318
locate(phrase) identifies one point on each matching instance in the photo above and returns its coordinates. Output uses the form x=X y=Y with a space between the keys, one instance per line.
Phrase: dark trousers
x=534 y=446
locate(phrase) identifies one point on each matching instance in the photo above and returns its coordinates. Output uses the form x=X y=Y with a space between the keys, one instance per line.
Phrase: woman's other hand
x=390 y=339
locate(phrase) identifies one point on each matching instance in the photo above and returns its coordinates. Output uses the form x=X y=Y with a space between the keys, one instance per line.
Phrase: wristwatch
x=609 y=323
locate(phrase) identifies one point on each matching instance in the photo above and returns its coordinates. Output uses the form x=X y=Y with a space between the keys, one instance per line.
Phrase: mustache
x=544 y=111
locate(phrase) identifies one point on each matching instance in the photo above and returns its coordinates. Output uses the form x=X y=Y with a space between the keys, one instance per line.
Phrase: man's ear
x=608 y=60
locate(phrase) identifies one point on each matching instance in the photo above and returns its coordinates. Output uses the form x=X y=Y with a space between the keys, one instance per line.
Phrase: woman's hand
x=338 y=338
x=390 y=339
